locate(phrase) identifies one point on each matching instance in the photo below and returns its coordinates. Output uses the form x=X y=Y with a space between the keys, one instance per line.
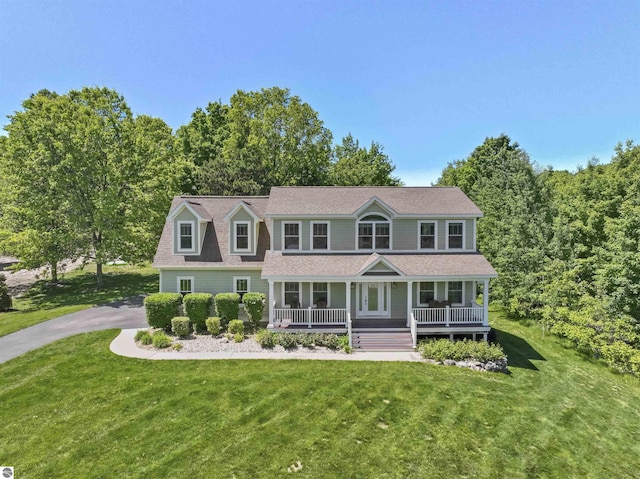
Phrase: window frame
x=326 y=292
x=284 y=239
x=191 y=223
x=284 y=293
x=435 y=235
x=235 y=237
x=448 y=223
x=420 y=290
x=235 y=285
x=374 y=236
x=461 y=292
x=179 y=279
x=313 y=236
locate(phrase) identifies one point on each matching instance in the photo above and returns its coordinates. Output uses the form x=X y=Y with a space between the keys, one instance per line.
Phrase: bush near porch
x=197 y=307
x=227 y=307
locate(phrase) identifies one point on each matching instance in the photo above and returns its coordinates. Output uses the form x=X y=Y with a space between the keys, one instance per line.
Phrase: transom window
x=427 y=291
x=454 y=292
x=428 y=235
x=291 y=235
x=185 y=285
x=321 y=294
x=186 y=235
x=241 y=286
x=456 y=233
x=292 y=294
x=320 y=235
x=374 y=232
x=242 y=236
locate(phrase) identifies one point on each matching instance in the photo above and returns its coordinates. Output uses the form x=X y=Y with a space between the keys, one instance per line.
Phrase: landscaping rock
x=449 y=362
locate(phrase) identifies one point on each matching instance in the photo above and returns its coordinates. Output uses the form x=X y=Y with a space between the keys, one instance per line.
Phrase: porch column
x=409 y=302
x=485 y=302
x=348 y=305
x=271 y=300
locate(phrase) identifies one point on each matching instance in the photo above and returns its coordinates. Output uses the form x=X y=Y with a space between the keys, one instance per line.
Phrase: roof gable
x=373 y=202
x=376 y=264
x=195 y=209
x=241 y=205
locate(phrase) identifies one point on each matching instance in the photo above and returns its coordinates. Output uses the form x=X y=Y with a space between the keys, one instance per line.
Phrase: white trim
x=388 y=221
x=282 y=244
x=190 y=278
x=328 y=292
x=382 y=252
x=396 y=216
x=206 y=268
x=390 y=211
x=435 y=291
x=475 y=234
x=235 y=283
x=160 y=281
x=282 y=291
x=194 y=234
x=446 y=291
x=178 y=209
x=382 y=260
x=342 y=279
x=380 y=313
x=435 y=233
x=241 y=205
x=235 y=251
x=446 y=235
x=311 y=224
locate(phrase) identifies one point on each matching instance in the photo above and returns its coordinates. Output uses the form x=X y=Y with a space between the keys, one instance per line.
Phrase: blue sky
x=428 y=80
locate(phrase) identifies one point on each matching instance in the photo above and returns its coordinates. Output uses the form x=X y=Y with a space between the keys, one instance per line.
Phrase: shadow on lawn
x=519 y=352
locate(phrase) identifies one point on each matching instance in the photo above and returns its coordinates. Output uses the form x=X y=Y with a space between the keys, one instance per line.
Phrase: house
x=382 y=264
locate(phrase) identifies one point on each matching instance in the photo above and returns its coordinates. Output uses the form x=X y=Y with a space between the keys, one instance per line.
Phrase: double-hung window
x=321 y=294
x=427 y=235
x=320 y=235
x=185 y=285
x=241 y=285
x=186 y=240
x=454 y=292
x=427 y=292
x=455 y=235
x=242 y=236
x=374 y=232
x=292 y=294
x=291 y=235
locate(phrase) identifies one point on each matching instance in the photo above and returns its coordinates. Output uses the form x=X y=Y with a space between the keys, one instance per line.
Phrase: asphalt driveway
x=124 y=314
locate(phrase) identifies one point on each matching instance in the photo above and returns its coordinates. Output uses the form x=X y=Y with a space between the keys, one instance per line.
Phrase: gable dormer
x=244 y=226
x=189 y=222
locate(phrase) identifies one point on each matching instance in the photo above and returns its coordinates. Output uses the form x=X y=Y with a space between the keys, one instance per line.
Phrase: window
x=427 y=238
x=242 y=236
x=185 y=285
x=454 y=292
x=320 y=235
x=374 y=232
x=426 y=292
x=321 y=294
x=455 y=236
x=292 y=294
x=291 y=235
x=186 y=235
x=241 y=285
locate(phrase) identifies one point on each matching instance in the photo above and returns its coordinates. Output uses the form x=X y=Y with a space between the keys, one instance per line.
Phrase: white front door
x=373 y=299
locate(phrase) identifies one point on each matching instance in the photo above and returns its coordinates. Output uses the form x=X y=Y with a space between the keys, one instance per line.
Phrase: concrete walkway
x=124 y=345
x=128 y=313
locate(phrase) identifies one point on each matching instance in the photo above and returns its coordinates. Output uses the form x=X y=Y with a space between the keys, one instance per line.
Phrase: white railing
x=414 y=330
x=349 y=329
x=310 y=316
x=448 y=316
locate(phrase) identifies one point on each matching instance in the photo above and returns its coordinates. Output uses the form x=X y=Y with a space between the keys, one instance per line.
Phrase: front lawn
x=73 y=409
x=76 y=291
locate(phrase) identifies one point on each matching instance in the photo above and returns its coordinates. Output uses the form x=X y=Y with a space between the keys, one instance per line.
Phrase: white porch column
x=271 y=300
x=409 y=302
x=348 y=305
x=485 y=302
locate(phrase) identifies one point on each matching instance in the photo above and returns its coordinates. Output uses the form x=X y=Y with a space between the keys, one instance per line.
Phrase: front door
x=373 y=300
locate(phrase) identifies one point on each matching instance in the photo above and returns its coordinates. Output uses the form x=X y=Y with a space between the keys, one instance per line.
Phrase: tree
x=357 y=166
x=88 y=172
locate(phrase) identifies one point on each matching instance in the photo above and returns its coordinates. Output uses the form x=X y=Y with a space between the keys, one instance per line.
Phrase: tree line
x=81 y=176
x=566 y=245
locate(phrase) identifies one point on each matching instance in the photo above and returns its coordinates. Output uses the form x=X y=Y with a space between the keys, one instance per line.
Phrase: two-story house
x=340 y=259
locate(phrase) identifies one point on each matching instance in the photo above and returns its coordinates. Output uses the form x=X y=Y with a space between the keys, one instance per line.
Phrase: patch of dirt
x=20 y=281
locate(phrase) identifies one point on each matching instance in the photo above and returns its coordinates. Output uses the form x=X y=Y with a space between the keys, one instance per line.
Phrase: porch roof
x=345 y=266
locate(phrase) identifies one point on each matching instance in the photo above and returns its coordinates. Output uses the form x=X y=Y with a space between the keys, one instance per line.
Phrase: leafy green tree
x=356 y=166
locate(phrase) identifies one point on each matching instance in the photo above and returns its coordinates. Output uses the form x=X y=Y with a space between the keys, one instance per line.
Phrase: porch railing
x=310 y=316
x=449 y=316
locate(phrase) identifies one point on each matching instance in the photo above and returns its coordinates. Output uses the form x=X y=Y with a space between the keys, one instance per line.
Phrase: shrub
x=161 y=308
x=343 y=341
x=236 y=326
x=5 y=299
x=287 y=340
x=238 y=337
x=266 y=338
x=227 y=306
x=143 y=337
x=305 y=339
x=213 y=326
x=160 y=340
x=254 y=306
x=180 y=326
x=330 y=341
x=177 y=346
x=197 y=307
x=443 y=349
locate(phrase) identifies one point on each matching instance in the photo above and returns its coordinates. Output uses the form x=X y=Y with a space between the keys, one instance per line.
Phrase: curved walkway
x=127 y=313
x=124 y=345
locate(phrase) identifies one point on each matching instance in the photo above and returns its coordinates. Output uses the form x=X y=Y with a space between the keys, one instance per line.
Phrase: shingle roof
x=215 y=250
x=277 y=264
x=340 y=200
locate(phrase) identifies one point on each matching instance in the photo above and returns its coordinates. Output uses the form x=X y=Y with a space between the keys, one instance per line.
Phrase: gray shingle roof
x=340 y=200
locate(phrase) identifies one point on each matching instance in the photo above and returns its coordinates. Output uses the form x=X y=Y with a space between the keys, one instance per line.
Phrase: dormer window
x=291 y=236
x=455 y=235
x=374 y=232
x=186 y=241
x=242 y=242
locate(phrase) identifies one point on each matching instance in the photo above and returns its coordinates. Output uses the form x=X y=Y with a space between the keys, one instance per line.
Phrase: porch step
x=383 y=340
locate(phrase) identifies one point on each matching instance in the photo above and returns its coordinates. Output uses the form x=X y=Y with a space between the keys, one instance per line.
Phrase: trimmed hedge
x=443 y=349
x=197 y=307
x=213 y=326
x=161 y=308
x=227 y=306
x=254 y=306
x=236 y=326
x=180 y=326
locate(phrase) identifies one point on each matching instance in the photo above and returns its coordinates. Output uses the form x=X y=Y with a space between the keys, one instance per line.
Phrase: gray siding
x=399 y=300
x=442 y=234
x=343 y=235
x=468 y=292
x=374 y=209
x=405 y=234
x=469 y=232
x=213 y=281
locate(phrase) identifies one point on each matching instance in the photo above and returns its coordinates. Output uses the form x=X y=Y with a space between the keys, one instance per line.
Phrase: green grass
x=73 y=409
x=77 y=291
